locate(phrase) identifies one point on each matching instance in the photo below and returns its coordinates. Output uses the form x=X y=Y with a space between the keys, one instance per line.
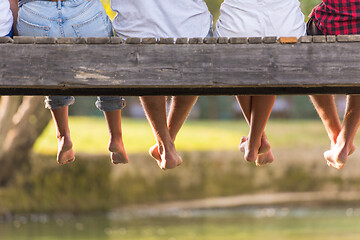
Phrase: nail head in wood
x=24 y=40
x=288 y=40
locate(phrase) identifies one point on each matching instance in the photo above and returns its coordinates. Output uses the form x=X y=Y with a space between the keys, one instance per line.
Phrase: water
x=236 y=223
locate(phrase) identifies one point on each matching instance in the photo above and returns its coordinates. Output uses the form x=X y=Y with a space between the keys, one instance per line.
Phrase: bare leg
x=65 y=152
x=116 y=145
x=179 y=110
x=256 y=110
x=155 y=110
x=245 y=104
x=326 y=108
x=337 y=155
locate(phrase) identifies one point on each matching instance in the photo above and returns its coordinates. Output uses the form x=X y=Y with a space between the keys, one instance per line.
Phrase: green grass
x=90 y=135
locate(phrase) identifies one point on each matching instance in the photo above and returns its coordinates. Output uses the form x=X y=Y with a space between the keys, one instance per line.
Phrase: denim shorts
x=71 y=18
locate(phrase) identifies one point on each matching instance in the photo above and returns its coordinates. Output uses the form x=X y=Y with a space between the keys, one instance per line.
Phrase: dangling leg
x=256 y=110
x=337 y=155
x=116 y=145
x=65 y=152
x=155 y=110
x=326 y=108
x=180 y=108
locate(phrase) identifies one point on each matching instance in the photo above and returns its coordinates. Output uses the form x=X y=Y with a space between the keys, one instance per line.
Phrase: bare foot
x=265 y=158
x=337 y=156
x=250 y=154
x=168 y=159
x=65 y=152
x=154 y=152
x=262 y=157
x=118 y=153
x=264 y=147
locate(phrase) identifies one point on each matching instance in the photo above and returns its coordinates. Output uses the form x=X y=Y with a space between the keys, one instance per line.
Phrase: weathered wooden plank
x=270 y=40
x=181 y=41
x=305 y=39
x=166 y=41
x=210 y=40
x=45 y=40
x=319 y=39
x=240 y=40
x=148 y=41
x=204 y=69
x=116 y=40
x=6 y=40
x=330 y=38
x=288 y=40
x=223 y=40
x=98 y=40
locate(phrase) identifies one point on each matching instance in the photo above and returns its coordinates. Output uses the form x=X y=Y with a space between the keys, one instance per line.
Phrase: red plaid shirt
x=335 y=17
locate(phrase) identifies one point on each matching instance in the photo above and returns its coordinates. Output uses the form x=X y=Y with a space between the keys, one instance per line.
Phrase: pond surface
x=237 y=223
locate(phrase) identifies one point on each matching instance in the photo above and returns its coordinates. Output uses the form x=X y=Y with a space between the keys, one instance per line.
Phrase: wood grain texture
x=179 y=69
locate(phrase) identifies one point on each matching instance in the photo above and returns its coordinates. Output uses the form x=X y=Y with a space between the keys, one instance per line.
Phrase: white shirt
x=260 y=18
x=161 y=18
x=6 y=18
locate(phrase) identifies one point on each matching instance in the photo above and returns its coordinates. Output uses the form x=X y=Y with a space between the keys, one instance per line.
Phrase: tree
x=22 y=120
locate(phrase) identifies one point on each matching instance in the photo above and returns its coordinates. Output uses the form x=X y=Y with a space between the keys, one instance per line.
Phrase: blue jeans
x=10 y=34
x=71 y=18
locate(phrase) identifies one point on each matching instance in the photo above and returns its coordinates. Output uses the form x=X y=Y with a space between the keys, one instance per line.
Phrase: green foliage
x=81 y=186
x=93 y=184
x=298 y=179
x=195 y=135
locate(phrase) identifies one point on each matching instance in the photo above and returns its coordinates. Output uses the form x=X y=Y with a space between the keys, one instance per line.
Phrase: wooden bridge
x=196 y=66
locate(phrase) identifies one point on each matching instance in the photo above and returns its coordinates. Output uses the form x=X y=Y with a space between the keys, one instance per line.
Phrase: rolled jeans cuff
x=54 y=102
x=110 y=103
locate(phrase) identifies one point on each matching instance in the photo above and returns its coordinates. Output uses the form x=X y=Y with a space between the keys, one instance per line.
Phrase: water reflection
x=235 y=223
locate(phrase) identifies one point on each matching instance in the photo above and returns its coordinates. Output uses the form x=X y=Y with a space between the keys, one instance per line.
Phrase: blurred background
x=214 y=194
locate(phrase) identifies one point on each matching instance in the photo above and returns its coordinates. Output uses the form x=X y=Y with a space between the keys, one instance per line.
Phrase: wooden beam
x=106 y=66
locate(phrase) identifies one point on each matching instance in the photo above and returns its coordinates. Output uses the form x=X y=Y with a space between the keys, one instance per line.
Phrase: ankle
x=61 y=136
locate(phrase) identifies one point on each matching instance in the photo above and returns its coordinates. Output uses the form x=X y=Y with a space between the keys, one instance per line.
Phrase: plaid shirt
x=335 y=17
